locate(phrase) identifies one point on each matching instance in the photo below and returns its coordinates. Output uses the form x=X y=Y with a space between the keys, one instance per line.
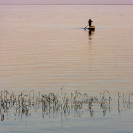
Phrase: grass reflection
x=51 y=104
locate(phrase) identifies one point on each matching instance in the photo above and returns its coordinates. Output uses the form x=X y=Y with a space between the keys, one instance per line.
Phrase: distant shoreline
x=66 y=4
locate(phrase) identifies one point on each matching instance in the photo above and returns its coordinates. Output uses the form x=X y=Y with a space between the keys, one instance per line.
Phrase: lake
x=45 y=54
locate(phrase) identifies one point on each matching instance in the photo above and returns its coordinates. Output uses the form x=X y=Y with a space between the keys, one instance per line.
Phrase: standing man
x=89 y=22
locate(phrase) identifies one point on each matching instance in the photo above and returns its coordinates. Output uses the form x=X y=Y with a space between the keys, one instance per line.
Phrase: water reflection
x=21 y=105
x=90 y=45
x=90 y=34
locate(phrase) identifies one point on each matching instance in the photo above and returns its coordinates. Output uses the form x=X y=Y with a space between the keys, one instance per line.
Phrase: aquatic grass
x=125 y=100
x=59 y=104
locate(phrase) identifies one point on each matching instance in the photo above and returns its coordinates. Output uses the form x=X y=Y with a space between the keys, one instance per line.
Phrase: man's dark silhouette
x=89 y=22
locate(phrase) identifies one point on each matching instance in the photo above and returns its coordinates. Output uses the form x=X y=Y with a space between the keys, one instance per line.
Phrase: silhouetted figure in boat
x=89 y=22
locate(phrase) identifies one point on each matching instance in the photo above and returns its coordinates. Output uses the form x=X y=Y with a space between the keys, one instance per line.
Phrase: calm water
x=45 y=47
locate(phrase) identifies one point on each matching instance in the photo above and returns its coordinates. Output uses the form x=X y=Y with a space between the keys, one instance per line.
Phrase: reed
x=55 y=104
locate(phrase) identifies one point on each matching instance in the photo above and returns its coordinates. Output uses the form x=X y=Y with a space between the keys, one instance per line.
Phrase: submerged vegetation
x=25 y=103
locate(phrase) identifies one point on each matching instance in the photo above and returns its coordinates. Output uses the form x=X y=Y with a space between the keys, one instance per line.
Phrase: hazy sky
x=66 y=1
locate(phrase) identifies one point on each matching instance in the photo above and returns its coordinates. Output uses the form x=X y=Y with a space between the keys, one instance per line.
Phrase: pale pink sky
x=66 y=1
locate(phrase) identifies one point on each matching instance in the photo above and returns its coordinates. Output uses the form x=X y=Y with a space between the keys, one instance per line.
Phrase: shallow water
x=45 y=47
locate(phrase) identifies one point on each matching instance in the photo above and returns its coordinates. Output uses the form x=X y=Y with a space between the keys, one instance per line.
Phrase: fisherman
x=89 y=22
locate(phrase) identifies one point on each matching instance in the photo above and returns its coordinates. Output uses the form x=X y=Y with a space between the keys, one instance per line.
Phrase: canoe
x=90 y=28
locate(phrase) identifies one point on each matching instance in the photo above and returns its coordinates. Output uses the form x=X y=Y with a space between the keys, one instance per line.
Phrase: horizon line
x=66 y=4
